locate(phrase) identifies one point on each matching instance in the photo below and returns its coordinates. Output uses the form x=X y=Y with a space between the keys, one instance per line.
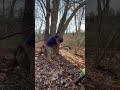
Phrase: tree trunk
x=46 y=33
x=3 y=7
x=11 y=14
x=51 y=52
x=29 y=24
x=56 y=50
x=28 y=18
x=54 y=16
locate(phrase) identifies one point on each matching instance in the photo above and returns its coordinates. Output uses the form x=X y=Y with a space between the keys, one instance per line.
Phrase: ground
x=16 y=79
x=60 y=73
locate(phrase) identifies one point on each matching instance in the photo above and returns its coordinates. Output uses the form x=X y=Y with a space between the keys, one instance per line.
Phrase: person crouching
x=52 y=46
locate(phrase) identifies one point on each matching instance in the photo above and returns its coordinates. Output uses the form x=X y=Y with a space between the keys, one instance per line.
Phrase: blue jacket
x=31 y=39
x=52 y=40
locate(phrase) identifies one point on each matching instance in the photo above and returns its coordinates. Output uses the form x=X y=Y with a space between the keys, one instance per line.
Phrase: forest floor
x=13 y=79
x=61 y=73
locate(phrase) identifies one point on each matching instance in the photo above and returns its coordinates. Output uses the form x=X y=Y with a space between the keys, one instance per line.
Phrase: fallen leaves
x=2 y=76
x=59 y=74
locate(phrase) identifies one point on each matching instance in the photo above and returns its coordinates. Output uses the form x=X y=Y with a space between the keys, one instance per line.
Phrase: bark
x=54 y=16
x=56 y=50
x=46 y=34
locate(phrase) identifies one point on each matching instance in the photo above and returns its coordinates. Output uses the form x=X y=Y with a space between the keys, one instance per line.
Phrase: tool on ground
x=81 y=79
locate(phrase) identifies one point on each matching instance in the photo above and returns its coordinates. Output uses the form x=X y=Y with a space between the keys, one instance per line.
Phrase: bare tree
x=53 y=10
x=11 y=13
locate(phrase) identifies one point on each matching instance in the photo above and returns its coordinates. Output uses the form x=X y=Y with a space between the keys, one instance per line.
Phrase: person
x=54 y=40
x=82 y=77
x=52 y=45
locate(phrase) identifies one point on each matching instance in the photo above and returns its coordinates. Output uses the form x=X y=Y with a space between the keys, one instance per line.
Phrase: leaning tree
x=57 y=15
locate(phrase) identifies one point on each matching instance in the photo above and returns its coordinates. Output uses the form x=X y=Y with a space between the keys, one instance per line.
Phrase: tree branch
x=61 y=32
x=63 y=19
